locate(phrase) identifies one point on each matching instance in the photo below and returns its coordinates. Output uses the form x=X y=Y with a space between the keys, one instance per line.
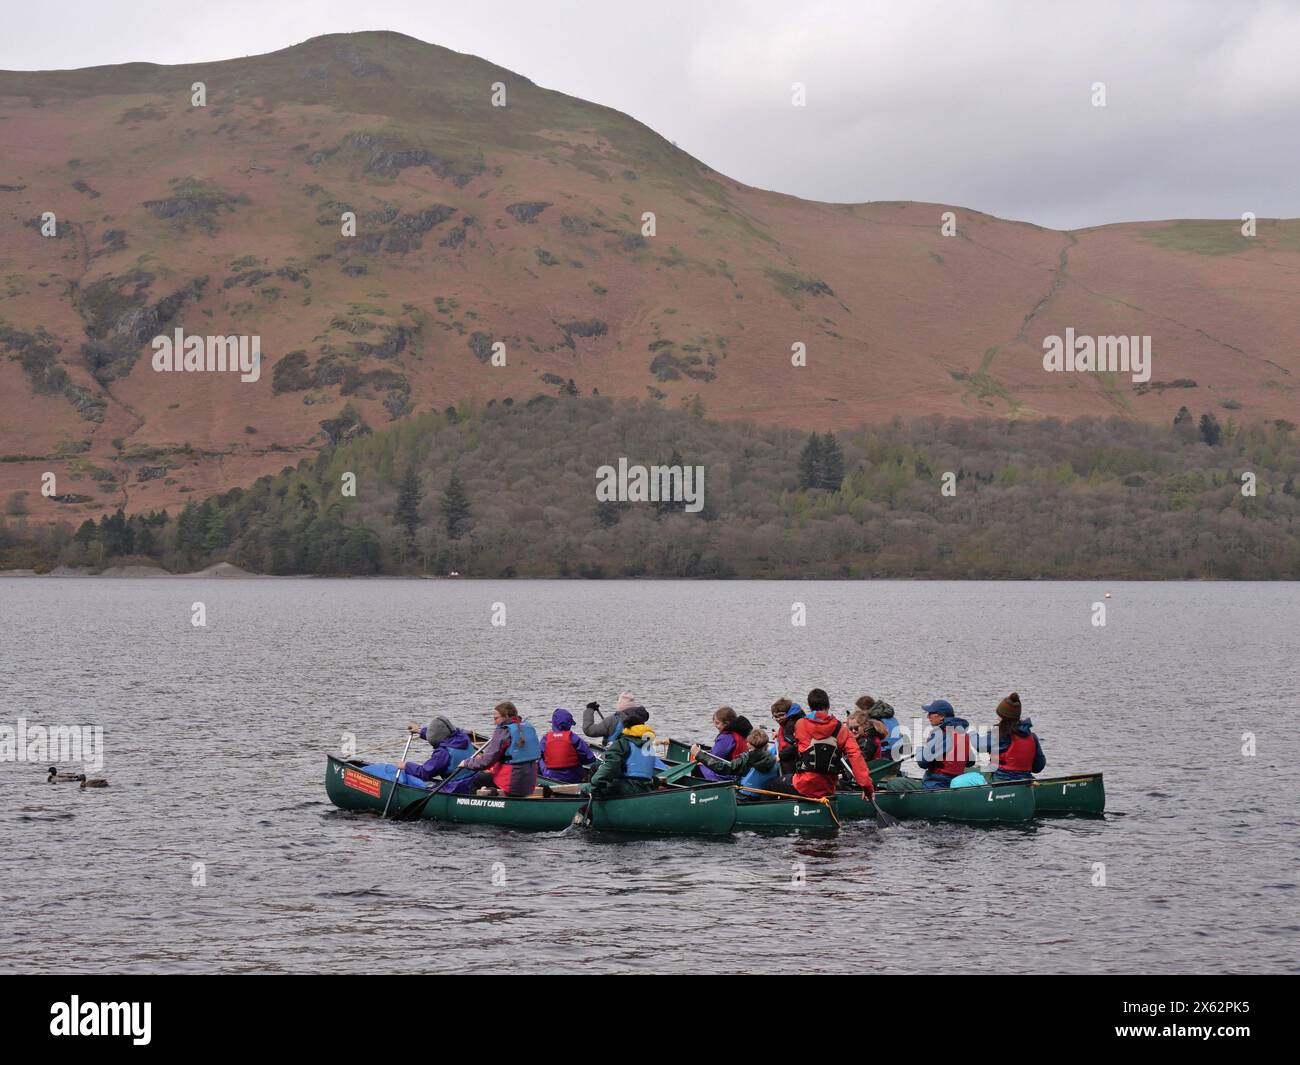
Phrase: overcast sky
x=985 y=104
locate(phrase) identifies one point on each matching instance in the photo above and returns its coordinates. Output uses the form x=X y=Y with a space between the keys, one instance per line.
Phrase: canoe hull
x=782 y=815
x=1080 y=796
x=708 y=810
x=1002 y=803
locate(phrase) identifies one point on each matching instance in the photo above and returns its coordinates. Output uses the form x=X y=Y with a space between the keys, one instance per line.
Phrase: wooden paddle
x=398 y=775
x=795 y=798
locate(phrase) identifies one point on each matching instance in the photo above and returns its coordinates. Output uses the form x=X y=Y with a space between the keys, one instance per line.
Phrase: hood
x=1024 y=726
x=820 y=727
x=562 y=720
x=640 y=733
x=955 y=722
x=762 y=760
x=881 y=710
x=438 y=730
x=459 y=738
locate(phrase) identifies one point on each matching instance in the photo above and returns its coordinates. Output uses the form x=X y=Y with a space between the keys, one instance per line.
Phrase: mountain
x=523 y=225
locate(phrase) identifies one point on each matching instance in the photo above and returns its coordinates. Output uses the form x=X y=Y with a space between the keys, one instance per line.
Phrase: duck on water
x=56 y=777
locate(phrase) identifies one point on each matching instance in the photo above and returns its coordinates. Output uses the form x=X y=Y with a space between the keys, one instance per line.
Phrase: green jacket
x=762 y=760
x=610 y=773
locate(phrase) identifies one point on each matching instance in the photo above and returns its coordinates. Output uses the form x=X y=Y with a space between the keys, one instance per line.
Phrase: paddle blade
x=883 y=820
x=580 y=820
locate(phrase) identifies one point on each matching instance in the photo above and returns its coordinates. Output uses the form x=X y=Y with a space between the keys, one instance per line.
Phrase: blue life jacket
x=458 y=755
x=893 y=736
x=531 y=751
x=761 y=778
x=640 y=762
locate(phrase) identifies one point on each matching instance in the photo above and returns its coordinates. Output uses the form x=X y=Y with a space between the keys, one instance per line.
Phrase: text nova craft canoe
x=706 y=811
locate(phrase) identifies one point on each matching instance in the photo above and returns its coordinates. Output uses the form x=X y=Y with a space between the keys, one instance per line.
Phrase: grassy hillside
x=524 y=225
x=1079 y=499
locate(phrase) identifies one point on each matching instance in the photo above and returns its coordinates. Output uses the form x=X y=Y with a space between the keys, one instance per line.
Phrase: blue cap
x=939 y=706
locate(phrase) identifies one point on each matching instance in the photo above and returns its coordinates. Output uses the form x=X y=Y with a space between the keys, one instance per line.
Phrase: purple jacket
x=723 y=747
x=523 y=775
x=441 y=759
x=562 y=721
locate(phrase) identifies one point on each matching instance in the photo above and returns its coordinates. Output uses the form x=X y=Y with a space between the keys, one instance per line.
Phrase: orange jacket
x=817 y=785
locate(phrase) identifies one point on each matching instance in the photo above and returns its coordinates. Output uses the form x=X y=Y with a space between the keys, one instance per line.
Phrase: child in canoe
x=785 y=714
x=729 y=743
x=868 y=732
x=508 y=761
x=628 y=767
x=881 y=711
x=756 y=768
x=1020 y=755
x=451 y=746
x=565 y=756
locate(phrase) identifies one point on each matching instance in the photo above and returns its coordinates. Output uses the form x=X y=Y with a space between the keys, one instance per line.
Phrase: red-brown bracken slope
x=522 y=225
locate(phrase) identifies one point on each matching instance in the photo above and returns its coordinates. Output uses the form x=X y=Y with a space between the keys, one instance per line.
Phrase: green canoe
x=906 y=799
x=708 y=810
x=783 y=815
x=881 y=768
x=1078 y=796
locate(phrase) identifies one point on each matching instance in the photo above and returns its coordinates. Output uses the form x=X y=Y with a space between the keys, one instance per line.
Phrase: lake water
x=215 y=740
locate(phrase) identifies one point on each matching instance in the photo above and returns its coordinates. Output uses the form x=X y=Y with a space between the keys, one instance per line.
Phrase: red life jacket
x=558 y=751
x=822 y=745
x=741 y=744
x=869 y=744
x=501 y=774
x=956 y=754
x=1019 y=756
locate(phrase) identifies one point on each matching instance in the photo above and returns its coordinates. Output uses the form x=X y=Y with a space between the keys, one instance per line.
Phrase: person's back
x=607 y=727
x=629 y=763
x=451 y=746
x=823 y=745
x=1020 y=755
x=564 y=755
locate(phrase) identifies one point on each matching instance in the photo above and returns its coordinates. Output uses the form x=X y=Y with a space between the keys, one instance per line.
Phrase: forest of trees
x=510 y=491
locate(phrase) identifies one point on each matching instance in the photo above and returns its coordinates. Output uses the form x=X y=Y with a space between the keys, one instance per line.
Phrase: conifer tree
x=455 y=507
x=831 y=474
x=810 y=462
x=407 y=512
